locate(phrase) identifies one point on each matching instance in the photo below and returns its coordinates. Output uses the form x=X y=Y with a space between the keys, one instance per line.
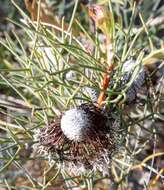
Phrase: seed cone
x=92 y=146
x=130 y=69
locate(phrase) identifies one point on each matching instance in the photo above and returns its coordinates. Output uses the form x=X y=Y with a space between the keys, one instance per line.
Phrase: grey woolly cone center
x=75 y=123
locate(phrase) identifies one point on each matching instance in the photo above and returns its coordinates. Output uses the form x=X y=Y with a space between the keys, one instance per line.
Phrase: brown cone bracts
x=84 y=137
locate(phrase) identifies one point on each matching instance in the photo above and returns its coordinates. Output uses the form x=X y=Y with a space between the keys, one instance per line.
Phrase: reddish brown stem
x=105 y=85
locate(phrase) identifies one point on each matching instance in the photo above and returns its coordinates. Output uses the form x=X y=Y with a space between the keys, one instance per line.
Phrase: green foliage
x=43 y=72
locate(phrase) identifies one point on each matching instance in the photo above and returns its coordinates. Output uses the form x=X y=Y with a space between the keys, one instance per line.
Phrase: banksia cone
x=85 y=137
x=130 y=69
